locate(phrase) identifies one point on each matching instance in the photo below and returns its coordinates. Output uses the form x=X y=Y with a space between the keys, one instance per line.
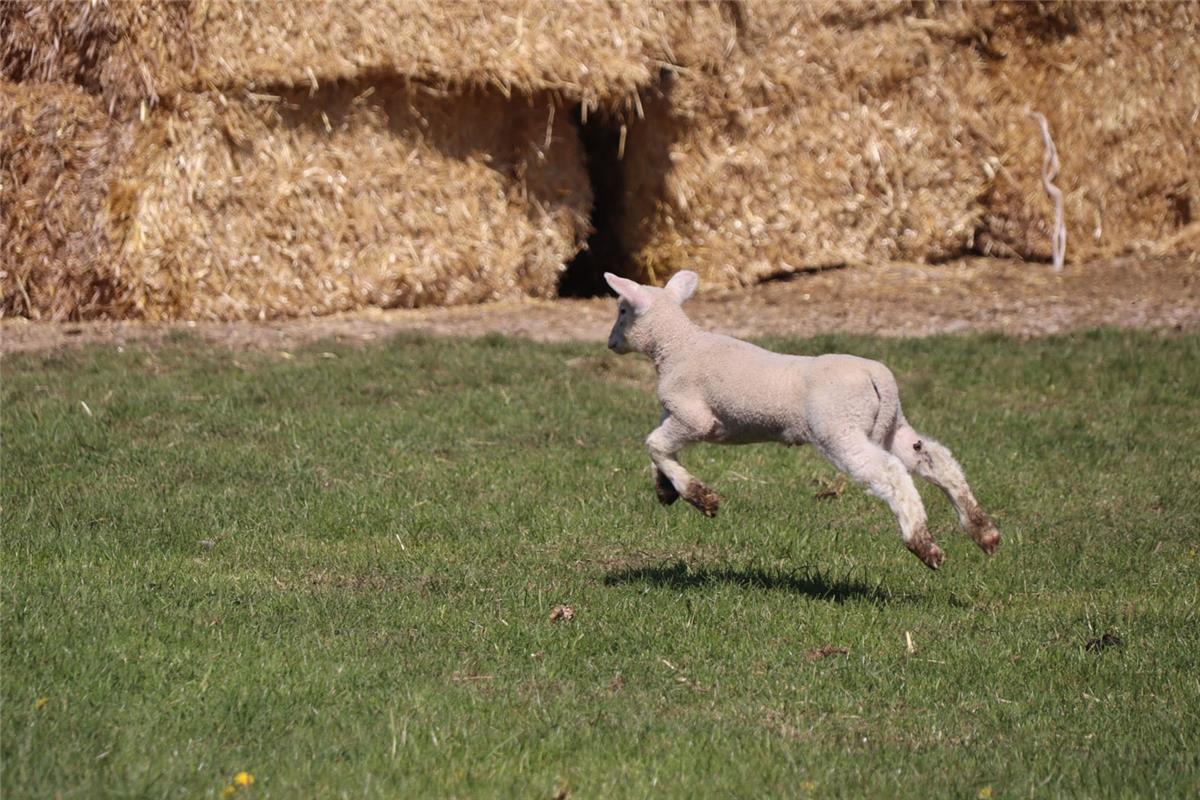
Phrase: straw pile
x=379 y=195
x=823 y=140
x=600 y=52
x=114 y=47
x=1120 y=86
x=877 y=131
x=231 y=159
x=253 y=205
x=58 y=150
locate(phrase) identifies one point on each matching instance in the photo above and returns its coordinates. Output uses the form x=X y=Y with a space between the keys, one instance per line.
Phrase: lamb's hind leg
x=886 y=478
x=934 y=462
x=664 y=444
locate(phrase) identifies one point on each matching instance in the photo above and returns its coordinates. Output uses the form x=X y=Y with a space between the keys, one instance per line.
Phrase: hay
x=279 y=158
x=354 y=196
x=114 y=47
x=1120 y=87
x=255 y=206
x=57 y=149
x=50 y=41
x=590 y=51
x=860 y=132
x=826 y=139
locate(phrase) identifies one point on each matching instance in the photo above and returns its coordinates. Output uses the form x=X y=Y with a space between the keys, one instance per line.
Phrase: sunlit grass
x=336 y=573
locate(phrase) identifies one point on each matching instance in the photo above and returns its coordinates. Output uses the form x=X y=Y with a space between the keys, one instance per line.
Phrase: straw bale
x=387 y=195
x=831 y=136
x=112 y=46
x=855 y=131
x=1120 y=86
x=55 y=41
x=250 y=206
x=592 y=51
x=57 y=150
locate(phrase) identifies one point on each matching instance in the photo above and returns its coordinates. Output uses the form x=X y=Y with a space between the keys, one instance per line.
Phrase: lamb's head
x=644 y=311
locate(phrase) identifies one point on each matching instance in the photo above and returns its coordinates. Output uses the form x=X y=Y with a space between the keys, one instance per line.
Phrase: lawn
x=335 y=569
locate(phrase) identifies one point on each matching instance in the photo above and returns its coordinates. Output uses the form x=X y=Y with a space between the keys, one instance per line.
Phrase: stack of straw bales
x=235 y=160
x=1120 y=87
x=827 y=137
x=247 y=205
x=856 y=131
x=216 y=158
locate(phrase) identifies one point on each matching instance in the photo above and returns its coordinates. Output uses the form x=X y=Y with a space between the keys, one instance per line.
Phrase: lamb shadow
x=682 y=576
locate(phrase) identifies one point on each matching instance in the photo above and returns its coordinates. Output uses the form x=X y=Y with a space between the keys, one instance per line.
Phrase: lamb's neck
x=673 y=337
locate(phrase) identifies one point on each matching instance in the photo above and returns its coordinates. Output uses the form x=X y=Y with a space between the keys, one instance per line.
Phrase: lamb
x=722 y=390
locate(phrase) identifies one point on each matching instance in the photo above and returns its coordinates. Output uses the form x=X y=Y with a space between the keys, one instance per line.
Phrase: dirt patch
x=1021 y=299
x=1102 y=643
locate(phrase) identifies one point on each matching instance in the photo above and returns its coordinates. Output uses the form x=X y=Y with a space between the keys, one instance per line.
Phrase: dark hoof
x=988 y=541
x=929 y=553
x=983 y=531
x=665 y=491
x=703 y=498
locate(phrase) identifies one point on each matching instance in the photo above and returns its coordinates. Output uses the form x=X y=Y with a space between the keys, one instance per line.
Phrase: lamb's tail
x=889 y=417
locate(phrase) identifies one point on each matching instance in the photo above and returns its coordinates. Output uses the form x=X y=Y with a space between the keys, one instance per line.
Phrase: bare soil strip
x=1020 y=299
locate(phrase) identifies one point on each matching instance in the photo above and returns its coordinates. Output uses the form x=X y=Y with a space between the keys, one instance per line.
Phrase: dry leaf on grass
x=825 y=651
x=562 y=614
x=830 y=489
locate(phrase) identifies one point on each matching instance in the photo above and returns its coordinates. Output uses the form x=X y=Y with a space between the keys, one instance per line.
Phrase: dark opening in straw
x=584 y=275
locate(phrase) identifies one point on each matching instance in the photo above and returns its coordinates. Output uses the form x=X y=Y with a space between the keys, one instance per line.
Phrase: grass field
x=336 y=570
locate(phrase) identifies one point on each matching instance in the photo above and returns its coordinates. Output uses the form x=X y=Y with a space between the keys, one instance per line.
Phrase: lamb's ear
x=682 y=285
x=630 y=291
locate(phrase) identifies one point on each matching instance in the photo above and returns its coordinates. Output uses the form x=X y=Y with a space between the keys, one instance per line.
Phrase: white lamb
x=718 y=389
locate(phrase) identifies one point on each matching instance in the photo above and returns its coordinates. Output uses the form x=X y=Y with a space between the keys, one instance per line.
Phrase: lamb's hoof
x=703 y=498
x=982 y=530
x=988 y=541
x=929 y=553
x=665 y=491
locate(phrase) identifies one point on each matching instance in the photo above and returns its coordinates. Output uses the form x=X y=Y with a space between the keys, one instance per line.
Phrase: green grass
x=393 y=526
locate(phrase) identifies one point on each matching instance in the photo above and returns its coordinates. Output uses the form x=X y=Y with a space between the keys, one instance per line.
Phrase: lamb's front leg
x=664 y=444
x=662 y=486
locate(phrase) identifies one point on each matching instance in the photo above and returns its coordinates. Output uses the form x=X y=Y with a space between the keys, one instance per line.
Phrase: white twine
x=1058 y=239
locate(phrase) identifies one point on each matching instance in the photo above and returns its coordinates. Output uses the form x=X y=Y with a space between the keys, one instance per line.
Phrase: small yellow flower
x=243 y=779
x=985 y=793
x=229 y=791
x=40 y=703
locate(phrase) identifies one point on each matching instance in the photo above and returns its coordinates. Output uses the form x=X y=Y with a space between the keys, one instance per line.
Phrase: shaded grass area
x=336 y=569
